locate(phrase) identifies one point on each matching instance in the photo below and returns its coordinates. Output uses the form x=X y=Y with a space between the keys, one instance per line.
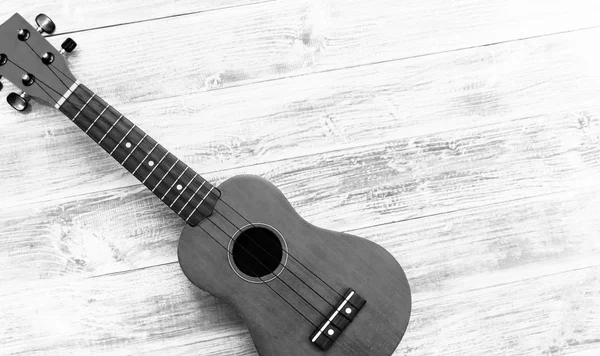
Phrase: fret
x=133 y=149
x=183 y=190
x=135 y=164
x=178 y=190
x=90 y=114
x=102 y=113
x=190 y=199
x=199 y=204
x=121 y=141
x=142 y=161
x=175 y=181
x=171 y=180
x=83 y=107
x=155 y=166
x=160 y=181
x=204 y=198
x=110 y=128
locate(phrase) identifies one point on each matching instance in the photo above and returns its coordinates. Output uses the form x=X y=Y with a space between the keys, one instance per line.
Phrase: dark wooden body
x=342 y=260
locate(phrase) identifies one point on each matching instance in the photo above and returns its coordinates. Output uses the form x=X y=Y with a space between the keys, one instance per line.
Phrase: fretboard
x=177 y=185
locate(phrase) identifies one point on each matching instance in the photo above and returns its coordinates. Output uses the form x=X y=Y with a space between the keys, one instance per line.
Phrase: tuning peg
x=19 y=102
x=68 y=46
x=45 y=24
x=1 y=85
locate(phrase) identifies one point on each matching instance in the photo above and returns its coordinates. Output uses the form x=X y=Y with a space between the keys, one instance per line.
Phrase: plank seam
x=386 y=61
x=238 y=167
x=160 y=18
x=400 y=221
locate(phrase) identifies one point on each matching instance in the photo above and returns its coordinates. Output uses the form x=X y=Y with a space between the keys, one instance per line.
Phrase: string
x=278 y=260
x=302 y=264
x=36 y=80
x=258 y=260
x=263 y=265
x=284 y=267
x=228 y=252
x=272 y=257
x=265 y=283
x=271 y=288
x=258 y=245
x=56 y=75
x=255 y=258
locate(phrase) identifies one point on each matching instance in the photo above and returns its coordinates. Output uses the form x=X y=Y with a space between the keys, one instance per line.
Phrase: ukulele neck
x=188 y=194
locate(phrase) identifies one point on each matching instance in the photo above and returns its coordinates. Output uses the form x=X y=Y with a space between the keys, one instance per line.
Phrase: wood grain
x=74 y=16
x=272 y=40
x=589 y=352
x=349 y=189
x=155 y=308
x=555 y=314
x=461 y=135
x=303 y=116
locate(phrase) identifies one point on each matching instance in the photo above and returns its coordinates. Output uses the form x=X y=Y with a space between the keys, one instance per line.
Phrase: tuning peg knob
x=19 y=102
x=68 y=46
x=45 y=24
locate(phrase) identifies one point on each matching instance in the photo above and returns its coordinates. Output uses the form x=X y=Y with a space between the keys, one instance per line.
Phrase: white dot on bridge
x=151 y=163
x=128 y=145
x=179 y=187
x=330 y=332
x=348 y=310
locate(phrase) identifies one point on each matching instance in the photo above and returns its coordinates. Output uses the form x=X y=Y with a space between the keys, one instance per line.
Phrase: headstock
x=31 y=63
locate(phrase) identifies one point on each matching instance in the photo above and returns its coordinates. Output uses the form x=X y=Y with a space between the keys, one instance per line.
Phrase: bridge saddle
x=338 y=320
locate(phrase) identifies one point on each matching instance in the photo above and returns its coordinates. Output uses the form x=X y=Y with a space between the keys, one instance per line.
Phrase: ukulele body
x=341 y=260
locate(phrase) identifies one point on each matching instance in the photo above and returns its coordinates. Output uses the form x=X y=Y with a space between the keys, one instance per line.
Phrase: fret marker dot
x=330 y=332
x=348 y=310
x=151 y=163
x=128 y=145
x=179 y=187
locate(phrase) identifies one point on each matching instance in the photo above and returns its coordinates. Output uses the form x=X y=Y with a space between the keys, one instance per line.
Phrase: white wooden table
x=463 y=136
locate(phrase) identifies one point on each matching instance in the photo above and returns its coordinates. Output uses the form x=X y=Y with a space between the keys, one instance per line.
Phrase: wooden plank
x=589 y=352
x=241 y=45
x=495 y=244
x=103 y=306
x=315 y=114
x=517 y=277
x=552 y=315
x=74 y=16
x=156 y=309
x=347 y=189
x=95 y=234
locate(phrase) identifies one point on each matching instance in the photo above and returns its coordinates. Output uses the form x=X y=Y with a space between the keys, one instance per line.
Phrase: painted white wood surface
x=275 y=121
x=76 y=15
x=353 y=188
x=533 y=289
x=463 y=136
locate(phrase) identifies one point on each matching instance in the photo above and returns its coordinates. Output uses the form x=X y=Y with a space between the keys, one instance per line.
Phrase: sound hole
x=257 y=252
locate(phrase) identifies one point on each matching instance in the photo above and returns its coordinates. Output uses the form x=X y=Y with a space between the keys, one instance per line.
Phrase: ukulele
x=302 y=290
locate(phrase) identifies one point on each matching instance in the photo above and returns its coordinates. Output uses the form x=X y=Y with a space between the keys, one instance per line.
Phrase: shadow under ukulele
x=301 y=290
